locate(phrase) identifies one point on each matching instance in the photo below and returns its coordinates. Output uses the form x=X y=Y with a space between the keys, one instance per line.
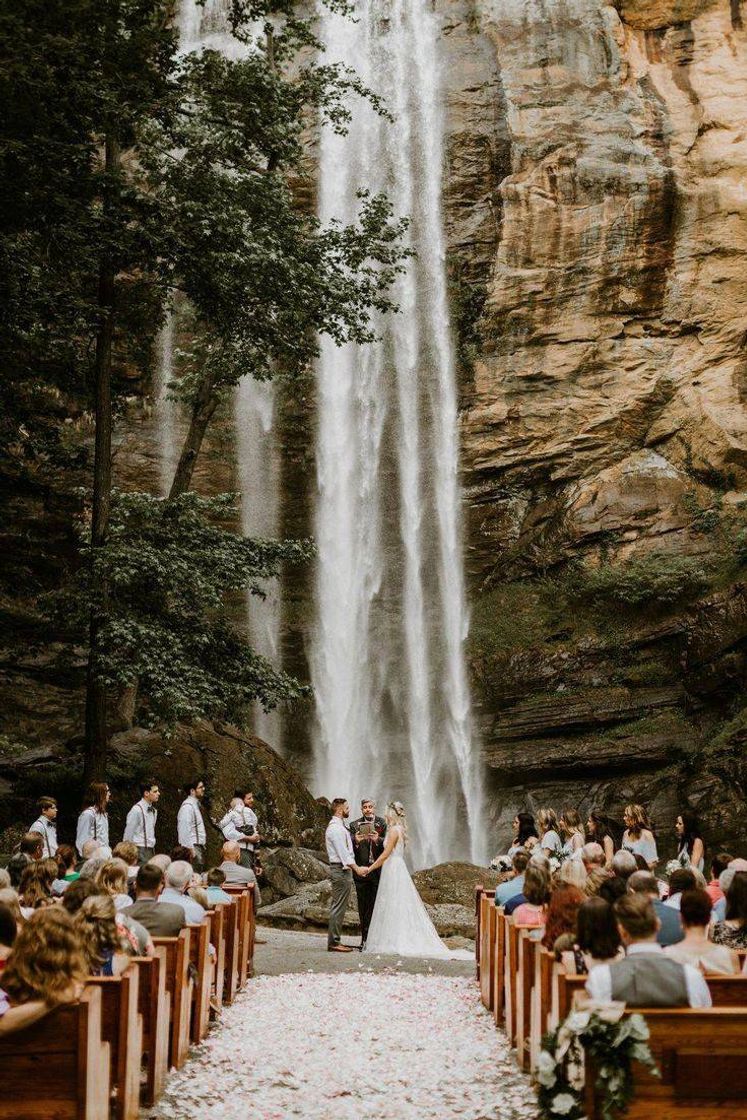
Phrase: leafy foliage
x=171 y=570
x=656 y=579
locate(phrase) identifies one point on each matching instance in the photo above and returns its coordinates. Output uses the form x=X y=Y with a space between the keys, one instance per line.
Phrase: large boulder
x=289 y=869
x=453 y=884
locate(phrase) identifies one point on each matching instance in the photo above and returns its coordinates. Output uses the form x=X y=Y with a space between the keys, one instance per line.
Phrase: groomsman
x=45 y=825
x=367 y=835
x=140 y=827
x=190 y=826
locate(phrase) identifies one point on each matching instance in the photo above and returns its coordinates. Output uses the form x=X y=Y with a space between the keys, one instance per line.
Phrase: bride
x=400 y=924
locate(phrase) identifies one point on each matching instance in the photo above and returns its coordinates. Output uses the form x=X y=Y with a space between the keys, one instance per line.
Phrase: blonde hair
x=547 y=820
x=35 y=888
x=9 y=898
x=639 y=817
x=112 y=876
x=395 y=815
x=570 y=822
x=96 y=926
x=572 y=873
x=46 y=959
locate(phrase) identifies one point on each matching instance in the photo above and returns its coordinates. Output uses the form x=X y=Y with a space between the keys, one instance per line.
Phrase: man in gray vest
x=645 y=978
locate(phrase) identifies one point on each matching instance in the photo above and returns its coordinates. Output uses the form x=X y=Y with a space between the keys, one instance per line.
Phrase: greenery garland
x=611 y=1041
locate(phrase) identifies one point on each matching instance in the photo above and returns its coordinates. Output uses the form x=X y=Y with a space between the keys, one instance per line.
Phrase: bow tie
x=151 y=809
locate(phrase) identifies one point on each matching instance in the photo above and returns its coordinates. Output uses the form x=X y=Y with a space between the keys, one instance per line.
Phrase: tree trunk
x=96 y=743
x=203 y=411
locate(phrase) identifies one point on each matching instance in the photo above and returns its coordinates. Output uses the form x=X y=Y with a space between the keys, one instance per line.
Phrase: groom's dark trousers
x=365 y=889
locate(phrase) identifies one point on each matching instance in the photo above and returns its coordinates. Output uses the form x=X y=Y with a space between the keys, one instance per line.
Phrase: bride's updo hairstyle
x=395 y=814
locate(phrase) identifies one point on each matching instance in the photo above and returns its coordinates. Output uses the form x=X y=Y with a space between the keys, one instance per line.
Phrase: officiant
x=367 y=834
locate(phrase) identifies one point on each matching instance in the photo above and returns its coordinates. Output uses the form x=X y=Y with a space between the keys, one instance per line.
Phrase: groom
x=367 y=834
x=341 y=867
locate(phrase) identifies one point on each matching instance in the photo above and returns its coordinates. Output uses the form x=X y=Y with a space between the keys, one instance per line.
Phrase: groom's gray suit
x=341 y=864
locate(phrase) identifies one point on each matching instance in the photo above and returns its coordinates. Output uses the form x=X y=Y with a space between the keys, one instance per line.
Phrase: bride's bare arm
x=391 y=839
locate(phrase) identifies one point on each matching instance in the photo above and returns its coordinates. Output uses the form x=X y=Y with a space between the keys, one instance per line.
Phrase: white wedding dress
x=400 y=924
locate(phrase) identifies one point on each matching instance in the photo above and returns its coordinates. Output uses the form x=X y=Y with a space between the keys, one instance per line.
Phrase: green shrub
x=655 y=580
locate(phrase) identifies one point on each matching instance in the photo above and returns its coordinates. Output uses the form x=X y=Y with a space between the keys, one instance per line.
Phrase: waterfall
x=165 y=410
x=206 y=27
x=388 y=660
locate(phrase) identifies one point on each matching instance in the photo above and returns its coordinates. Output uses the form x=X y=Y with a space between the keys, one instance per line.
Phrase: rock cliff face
x=604 y=414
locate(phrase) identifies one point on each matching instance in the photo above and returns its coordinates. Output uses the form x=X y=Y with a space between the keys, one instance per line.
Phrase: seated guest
x=732 y=931
x=136 y=934
x=549 y=841
x=571 y=873
x=638 y=837
x=161 y=860
x=234 y=872
x=35 y=889
x=670 y=927
x=513 y=886
x=596 y=879
x=105 y=950
x=180 y=852
x=9 y=898
x=215 y=880
x=66 y=873
x=679 y=881
x=160 y=919
x=593 y=856
x=32 y=845
x=560 y=926
x=8 y=932
x=4 y=879
x=646 y=977
x=696 y=948
x=112 y=876
x=127 y=852
x=89 y=849
x=624 y=864
x=598 y=831
x=45 y=969
x=613 y=888
x=719 y=863
x=597 y=937
x=199 y=895
x=17 y=864
x=77 y=892
x=536 y=891
x=178 y=881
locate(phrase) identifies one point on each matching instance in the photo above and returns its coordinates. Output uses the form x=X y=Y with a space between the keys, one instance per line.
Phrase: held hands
x=362 y=871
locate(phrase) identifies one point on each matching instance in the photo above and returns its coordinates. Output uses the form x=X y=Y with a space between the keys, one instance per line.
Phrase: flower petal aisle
x=328 y=1047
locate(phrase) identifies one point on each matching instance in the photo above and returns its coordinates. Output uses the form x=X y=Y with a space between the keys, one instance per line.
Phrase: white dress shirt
x=140 y=827
x=242 y=815
x=92 y=825
x=599 y=983
x=190 y=827
x=48 y=830
x=339 y=844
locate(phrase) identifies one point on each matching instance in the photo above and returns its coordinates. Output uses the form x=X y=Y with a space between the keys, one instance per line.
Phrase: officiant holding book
x=368 y=834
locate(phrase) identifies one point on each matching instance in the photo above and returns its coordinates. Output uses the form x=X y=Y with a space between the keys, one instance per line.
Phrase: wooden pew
x=702 y=1058
x=243 y=896
x=231 y=932
x=514 y=1017
x=179 y=985
x=154 y=1005
x=499 y=963
x=121 y=1028
x=218 y=941
x=58 y=1068
x=527 y=945
x=199 y=957
x=487 y=948
x=479 y=890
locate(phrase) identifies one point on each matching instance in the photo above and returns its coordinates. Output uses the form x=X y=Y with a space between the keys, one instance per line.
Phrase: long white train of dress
x=400 y=923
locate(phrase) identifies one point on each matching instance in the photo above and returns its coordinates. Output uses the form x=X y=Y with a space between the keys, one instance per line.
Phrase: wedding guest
x=35 y=890
x=178 y=880
x=523 y=827
x=190 y=825
x=140 y=827
x=597 y=937
x=162 y=861
x=572 y=873
x=215 y=880
x=560 y=924
x=17 y=864
x=646 y=977
x=638 y=836
x=679 y=881
x=571 y=833
x=624 y=864
x=724 y=881
x=690 y=840
x=112 y=877
x=90 y=868
x=670 y=928
x=93 y=822
x=90 y=849
x=45 y=825
x=515 y=885
x=533 y=911
x=9 y=898
x=732 y=931
x=596 y=879
x=593 y=856
x=32 y=845
x=538 y=860
x=8 y=934
x=719 y=863
x=240 y=825
x=597 y=830
x=160 y=919
x=127 y=852
x=46 y=968
x=66 y=873
x=4 y=879
x=550 y=841
x=696 y=948
x=104 y=949
x=235 y=872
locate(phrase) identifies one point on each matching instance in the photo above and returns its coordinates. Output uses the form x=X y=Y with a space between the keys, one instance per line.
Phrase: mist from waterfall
x=206 y=27
x=388 y=662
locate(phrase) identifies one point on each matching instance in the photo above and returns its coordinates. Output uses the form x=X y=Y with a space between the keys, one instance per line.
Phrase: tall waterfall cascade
x=388 y=660
x=206 y=27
